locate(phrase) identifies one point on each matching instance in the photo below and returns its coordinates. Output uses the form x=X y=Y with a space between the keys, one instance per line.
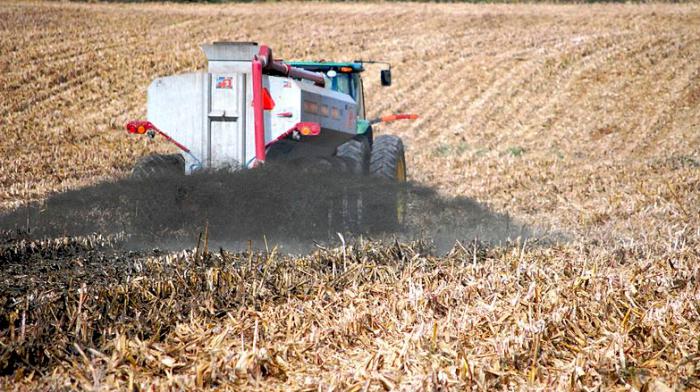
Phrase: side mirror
x=386 y=77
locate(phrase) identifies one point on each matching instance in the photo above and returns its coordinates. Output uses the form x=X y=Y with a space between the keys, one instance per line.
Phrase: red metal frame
x=142 y=126
x=263 y=62
x=258 y=114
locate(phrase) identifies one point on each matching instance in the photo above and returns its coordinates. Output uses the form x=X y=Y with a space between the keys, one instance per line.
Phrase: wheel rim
x=401 y=171
x=401 y=197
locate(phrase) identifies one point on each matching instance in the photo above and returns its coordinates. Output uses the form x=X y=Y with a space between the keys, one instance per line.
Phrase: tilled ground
x=581 y=120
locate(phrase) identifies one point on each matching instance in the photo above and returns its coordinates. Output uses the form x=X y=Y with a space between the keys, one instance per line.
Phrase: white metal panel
x=335 y=111
x=226 y=138
x=226 y=132
x=225 y=91
x=177 y=105
x=230 y=51
x=287 y=97
x=230 y=66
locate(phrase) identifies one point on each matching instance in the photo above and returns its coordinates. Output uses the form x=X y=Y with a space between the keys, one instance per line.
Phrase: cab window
x=360 y=99
x=343 y=84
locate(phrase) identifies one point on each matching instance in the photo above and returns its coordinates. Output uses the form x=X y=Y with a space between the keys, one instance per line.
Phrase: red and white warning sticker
x=224 y=82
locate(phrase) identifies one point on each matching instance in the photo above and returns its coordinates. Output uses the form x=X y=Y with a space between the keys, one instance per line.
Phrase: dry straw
x=581 y=118
x=83 y=314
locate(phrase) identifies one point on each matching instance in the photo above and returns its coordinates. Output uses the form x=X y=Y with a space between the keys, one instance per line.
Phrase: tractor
x=249 y=108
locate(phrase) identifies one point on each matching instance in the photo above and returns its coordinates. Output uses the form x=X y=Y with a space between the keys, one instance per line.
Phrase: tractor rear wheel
x=389 y=163
x=388 y=159
x=354 y=156
x=159 y=165
x=356 y=152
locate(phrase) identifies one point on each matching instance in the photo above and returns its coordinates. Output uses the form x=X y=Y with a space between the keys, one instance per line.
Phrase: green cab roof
x=324 y=66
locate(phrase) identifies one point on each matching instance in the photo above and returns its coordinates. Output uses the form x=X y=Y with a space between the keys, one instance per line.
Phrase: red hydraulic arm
x=140 y=127
x=263 y=62
x=258 y=114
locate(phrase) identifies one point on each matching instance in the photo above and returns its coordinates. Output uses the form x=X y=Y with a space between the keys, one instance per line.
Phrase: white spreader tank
x=212 y=114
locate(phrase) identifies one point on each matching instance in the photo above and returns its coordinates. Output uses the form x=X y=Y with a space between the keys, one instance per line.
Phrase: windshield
x=341 y=82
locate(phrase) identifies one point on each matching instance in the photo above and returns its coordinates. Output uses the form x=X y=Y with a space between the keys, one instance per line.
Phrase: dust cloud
x=270 y=206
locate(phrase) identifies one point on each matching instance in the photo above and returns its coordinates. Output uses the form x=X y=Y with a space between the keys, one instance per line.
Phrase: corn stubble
x=580 y=119
x=365 y=315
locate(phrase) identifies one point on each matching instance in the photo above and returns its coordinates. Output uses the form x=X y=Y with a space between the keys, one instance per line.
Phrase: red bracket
x=140 y=127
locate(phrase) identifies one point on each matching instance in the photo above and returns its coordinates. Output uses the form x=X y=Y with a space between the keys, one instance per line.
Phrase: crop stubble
x=582 y=119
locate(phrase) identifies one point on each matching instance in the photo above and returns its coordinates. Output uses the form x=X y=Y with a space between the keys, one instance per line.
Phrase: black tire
x=388 y=159
x=387 y=211
x=338 y=201
x=356 y=152
x=159 y=165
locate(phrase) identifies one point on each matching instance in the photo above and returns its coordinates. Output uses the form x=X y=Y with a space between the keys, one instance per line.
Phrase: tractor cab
x=343 y=77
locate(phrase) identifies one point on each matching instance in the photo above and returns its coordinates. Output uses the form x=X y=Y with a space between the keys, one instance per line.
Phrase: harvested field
x=582 y=120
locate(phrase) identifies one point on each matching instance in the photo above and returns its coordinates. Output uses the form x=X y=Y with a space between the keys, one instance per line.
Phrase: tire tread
x=357 y=154
x=386 y=153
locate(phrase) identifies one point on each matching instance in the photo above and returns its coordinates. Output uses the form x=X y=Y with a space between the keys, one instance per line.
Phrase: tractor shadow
x=264 y=207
